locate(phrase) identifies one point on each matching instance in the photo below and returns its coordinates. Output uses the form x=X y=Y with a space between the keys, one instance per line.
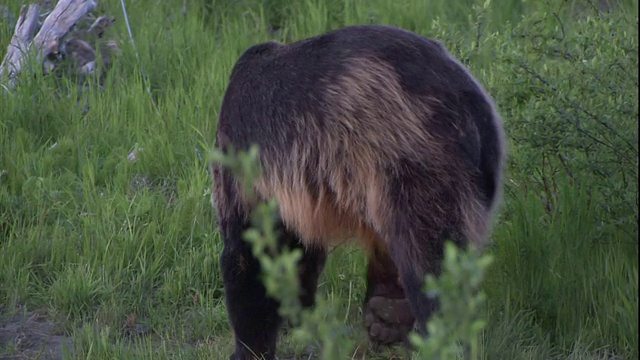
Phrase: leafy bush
x=570 y=94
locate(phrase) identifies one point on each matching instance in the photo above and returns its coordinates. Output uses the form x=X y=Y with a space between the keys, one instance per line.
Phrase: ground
x=30 y=336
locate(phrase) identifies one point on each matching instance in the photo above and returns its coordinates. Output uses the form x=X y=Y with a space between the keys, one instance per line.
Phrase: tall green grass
x=559 y=283
x=124 y=255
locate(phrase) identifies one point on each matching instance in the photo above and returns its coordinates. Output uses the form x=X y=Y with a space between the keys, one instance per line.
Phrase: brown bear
x=368 y=132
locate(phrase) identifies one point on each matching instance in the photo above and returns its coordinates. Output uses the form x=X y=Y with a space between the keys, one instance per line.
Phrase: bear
x=366 y=132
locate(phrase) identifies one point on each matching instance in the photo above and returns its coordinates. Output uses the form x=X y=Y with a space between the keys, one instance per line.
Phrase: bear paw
x=388 y=320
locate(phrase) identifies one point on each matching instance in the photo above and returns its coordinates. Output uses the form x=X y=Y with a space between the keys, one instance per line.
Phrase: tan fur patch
x=374 y=124
x=351 y=197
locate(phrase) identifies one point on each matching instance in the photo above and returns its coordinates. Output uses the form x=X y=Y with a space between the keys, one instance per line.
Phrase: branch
x=20 y=42
x=48 y=40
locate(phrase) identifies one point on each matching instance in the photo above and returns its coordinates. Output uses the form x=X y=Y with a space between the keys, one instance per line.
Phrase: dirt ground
x=31 y=336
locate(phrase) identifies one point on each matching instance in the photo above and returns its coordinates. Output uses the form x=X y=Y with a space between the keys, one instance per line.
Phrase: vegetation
x=106 y=225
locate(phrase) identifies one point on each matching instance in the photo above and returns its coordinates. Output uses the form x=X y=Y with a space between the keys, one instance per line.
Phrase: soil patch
x=31 y=336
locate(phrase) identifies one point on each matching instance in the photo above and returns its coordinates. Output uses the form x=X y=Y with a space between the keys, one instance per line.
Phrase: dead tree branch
x=20 y=42
x=51 y=40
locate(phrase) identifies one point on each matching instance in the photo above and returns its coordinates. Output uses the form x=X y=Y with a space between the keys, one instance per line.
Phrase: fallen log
x=56 y=39
x=20 y=42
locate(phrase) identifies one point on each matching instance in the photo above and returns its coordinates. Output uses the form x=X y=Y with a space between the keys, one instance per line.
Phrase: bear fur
x=367 y=132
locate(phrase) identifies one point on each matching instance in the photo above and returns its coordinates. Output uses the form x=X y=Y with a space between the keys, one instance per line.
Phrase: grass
x=123 y=256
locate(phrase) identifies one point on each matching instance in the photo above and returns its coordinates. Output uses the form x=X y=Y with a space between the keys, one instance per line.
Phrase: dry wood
x=20 y=42
x=49 y=39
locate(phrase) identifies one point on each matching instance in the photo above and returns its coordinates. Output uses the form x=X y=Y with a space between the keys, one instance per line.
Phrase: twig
x=133 y=44
x=557 y=17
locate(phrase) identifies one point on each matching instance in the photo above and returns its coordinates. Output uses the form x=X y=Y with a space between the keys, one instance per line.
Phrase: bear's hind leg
x=310 y=265
x=253 y=315
x=388 y=315
x=424 y=213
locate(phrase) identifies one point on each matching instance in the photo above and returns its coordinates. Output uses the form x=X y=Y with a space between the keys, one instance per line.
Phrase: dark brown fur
x=367 y=132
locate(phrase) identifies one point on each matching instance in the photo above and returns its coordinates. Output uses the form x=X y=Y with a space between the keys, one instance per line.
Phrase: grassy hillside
x=120 y=257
